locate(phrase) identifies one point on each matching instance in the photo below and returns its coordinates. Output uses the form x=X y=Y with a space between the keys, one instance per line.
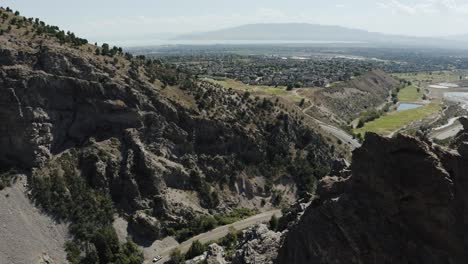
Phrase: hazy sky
x=116 y=19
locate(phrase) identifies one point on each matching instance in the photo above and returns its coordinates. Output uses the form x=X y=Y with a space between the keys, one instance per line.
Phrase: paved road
x=336 y=132
x=218 y=233
x=450 y=129
x=447 y=132
x=341 y=135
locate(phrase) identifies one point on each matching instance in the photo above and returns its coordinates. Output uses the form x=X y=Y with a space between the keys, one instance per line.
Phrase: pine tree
x=274 y=223
x=195 y=250
x=105 y=49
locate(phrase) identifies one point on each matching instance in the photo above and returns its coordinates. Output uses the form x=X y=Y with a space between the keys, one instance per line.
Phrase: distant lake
x=408 y=106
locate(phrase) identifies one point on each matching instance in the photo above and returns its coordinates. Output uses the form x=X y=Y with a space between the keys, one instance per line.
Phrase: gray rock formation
x=145 y=225
x=258 y=245
x=404 y=203
x=215 y=255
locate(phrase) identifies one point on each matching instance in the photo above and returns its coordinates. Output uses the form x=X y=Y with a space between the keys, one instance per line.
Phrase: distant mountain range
x=463 y=38
x=302 y=32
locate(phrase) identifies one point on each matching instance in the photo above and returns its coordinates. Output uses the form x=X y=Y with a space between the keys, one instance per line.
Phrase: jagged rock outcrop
x=464 y=122
x=462 y=136
x=145 y=226
x=405 y=202
x=215 y=255
x=259 y=245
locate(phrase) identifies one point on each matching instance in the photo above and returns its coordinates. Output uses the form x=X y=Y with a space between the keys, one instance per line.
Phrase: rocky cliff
x=88 y=124
x=404 y=203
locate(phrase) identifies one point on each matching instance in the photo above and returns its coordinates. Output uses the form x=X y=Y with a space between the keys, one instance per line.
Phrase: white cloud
x=408 y=9
x=270 y=13
x=425 y=7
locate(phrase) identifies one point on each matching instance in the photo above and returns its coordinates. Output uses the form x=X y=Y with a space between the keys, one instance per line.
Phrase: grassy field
x=387 y=124
x=279 y=91
x=432 y=78
x=409 y=94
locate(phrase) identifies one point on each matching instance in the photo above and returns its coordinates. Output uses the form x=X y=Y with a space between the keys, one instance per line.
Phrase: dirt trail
x=27 y=235
x=336 y=132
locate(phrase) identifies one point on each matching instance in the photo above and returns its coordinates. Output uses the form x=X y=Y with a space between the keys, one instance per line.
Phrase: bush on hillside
x=195 y=250
x=61 y=191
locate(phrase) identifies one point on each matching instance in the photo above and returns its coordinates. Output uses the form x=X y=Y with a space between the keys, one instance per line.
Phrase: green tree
x=360 y=123
x=177 y=257
x=273 y=223
x=107 y=244
x=230 y=240
x=105 y=49
x=73 y=252
x=302 y=102
x=195 y=250
x=130 y=254
x=298 y=84
x=91 y=257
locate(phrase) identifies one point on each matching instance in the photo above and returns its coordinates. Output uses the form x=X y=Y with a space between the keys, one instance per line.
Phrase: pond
x=408 y=106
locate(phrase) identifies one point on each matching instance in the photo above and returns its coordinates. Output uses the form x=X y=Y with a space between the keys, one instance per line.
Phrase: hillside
x=101 y=133
x=317 y=33
x=344 y=101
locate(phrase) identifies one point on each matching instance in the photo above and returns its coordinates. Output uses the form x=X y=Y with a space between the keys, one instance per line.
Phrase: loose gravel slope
x=26 y=235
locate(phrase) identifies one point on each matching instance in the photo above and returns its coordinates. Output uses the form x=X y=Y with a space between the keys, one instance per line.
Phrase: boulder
x=464 y=122
x=259 y=245
x=215 y=254
x=145 y=226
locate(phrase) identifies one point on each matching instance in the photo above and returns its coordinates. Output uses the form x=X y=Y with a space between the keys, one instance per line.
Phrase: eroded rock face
x=404 y=203
x=145 y=226
x=215 y=255
x=259 y=245
x=135 y=139
x=464 y=122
